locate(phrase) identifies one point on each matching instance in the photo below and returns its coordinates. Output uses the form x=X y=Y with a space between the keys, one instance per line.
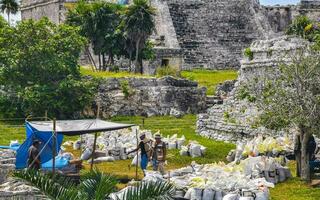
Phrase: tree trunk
x=297 y=153
x=103 y=62
x=8 y=13
x=111 y=58
x=136 y=62
x=130 y=61
x=141 y=65
x=305 y=168
x=99 y=62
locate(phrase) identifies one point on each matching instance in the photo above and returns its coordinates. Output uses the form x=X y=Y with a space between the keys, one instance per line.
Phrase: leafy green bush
x=245 y=94
x=40 y=72
x=114 y=68
x=126 y=89
x=301 y=26
x=168 y=71
x=248 y=53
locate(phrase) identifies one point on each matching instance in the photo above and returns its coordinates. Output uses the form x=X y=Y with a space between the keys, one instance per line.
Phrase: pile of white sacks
x=272 y=147
x=193 y=149
x=248 y=180
x=114 y=145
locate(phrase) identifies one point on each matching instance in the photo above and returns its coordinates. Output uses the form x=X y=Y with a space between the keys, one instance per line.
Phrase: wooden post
x=46 y=115
x=54 y=147
x=143 y=122
x=137 y=160
x=95 y=139
x=93 y=150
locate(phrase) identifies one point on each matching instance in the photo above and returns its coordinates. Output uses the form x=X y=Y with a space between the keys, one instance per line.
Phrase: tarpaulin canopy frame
x=72 y=128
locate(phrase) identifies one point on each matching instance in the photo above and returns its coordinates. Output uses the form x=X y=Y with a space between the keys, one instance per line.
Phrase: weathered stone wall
x=11 y=188
x=236 y=119
x=172 y=57
x=212 y=33
x=53 y=9
x=149 y=96
x=279 y=17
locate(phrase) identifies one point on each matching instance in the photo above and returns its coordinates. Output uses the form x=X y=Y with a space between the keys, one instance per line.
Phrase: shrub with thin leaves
x=50 y=187
x=159 y=190
x=96 y=185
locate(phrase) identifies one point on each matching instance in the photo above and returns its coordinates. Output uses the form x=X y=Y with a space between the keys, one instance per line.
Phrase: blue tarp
x=123 y=2
x=61 y=162
x=45 y=137
x=15 y=148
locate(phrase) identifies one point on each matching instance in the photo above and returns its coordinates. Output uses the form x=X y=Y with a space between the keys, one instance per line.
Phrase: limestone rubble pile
x=11 y=188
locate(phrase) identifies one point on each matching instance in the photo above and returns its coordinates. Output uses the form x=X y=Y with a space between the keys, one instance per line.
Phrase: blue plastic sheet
x=46 y=146
x=61 y=162
x=123 y=2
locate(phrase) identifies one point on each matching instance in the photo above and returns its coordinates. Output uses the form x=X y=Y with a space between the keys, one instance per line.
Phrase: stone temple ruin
x=235 y=119
x=199 y=33
x=203 y=33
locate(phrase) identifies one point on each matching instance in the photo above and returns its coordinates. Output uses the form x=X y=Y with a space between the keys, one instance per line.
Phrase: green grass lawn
x=206 y=78
x=12 y=130
x=210 y=78
x=216 y=151
x=106 y=74
x=292 y=189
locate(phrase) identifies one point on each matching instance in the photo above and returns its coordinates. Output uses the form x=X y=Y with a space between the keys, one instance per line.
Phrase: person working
x=145 y=148
x=159 y=154
x=33 y=156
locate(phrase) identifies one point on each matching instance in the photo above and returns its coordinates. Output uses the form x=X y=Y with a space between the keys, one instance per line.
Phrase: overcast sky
x=281 y=2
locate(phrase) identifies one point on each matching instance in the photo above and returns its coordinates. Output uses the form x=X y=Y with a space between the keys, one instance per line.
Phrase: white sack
x=172 y=145
x=218 y=195
x=196 y=194
x=134 y=161
x=14 y=143
x=76 y=145
x=208 y=194
x=86 y=154
x=195 y=150
x=231 y=197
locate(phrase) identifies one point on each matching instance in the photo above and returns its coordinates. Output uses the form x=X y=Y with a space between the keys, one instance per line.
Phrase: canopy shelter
x=50 y=134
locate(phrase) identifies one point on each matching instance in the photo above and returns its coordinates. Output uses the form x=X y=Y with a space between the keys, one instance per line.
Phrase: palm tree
x=10 y=7
x=138 y=26
x=94 y=186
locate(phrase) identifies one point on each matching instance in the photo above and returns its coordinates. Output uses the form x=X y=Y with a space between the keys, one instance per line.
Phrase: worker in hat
x=145 y=147
x=159 y=154
x=34 y=161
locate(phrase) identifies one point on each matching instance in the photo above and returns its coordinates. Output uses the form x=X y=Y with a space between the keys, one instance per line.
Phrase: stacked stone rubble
x=11 y=188
x=236 y=119
x=149 y=96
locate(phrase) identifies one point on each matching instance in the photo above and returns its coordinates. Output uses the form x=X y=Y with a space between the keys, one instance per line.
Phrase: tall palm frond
x=49 y=187
x=96 y=185
x=159 y=190
x=10 y=7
